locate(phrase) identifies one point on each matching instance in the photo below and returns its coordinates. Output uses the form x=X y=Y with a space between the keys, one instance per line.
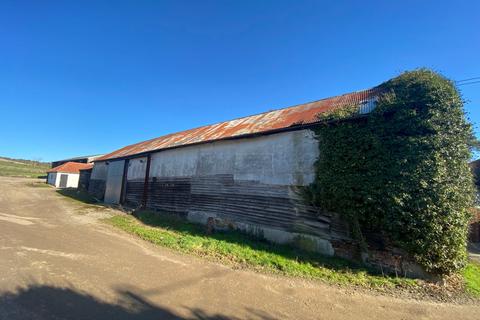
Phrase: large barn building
x=241 y=174
x=81 y=159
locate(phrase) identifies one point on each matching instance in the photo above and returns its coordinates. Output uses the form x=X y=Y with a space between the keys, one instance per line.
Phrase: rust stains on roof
x=71 y=167
x=262 y=123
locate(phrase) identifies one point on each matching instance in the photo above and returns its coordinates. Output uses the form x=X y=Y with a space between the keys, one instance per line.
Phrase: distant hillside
x=22 y=168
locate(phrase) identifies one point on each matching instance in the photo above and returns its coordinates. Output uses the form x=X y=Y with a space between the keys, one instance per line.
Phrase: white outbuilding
x=66 y=175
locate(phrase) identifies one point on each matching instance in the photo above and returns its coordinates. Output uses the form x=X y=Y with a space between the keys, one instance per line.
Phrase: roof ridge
x=70 y=167
x=228 y=128
x=252 y=115
x=278 y=109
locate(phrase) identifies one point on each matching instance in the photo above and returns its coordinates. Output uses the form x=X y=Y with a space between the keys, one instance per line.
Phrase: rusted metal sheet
x=296 y=116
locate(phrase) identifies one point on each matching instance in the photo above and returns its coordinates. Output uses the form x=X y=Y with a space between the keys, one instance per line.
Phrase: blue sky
x=88 y=77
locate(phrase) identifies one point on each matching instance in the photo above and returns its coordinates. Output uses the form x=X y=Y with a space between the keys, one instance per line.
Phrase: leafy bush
x=402 y=170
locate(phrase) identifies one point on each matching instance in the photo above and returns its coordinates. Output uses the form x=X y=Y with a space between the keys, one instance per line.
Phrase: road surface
x=58 y=261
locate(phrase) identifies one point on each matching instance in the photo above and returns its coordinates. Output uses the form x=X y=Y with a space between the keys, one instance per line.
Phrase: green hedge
x=402 y=170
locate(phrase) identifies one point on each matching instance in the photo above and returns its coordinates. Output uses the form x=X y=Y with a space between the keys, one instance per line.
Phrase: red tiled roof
x=261 y=123
x=71 y=167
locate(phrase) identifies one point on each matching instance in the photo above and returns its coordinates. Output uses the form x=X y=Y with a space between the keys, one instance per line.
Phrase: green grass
x=19 y=168
x=239 y=250
x=471 y=274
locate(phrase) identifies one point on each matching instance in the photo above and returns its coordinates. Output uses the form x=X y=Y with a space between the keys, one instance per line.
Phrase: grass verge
x=471 y=275
x=239 y=250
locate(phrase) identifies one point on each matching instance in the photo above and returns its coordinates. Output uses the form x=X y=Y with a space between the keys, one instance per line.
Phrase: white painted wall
x=53 y=178
x=281 y=159
x=72 y=181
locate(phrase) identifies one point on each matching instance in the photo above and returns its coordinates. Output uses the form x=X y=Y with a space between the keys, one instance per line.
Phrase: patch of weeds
x=240 y=250
x=471 y=275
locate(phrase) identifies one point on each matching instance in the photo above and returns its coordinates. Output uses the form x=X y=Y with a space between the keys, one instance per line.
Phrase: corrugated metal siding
x=272 y=206
x=134 y=193
x=170 y=194
x=367 y=106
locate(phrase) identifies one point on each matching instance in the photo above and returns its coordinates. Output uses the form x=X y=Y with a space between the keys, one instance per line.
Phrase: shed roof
x=80 y=158
x=71 y=167
x=263 y=123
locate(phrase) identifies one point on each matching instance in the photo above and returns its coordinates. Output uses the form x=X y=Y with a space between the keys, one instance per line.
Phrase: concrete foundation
x=302 y=241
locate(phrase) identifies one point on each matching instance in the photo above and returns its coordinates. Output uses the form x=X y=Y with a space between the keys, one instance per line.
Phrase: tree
x=402 y=170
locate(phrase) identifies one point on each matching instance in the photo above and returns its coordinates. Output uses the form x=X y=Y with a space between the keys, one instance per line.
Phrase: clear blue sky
x=87 y=77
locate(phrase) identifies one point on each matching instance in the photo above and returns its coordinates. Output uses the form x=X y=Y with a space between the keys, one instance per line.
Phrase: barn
x=81 y=159
x=66 y=175
x=242 y=174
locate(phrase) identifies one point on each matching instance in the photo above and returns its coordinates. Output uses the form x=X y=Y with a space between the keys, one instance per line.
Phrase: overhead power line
x=465 y=83
x=469 y=79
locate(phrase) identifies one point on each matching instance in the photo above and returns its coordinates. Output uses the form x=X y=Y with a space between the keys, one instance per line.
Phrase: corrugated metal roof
x=80 y=158
x=71 y=167
x=261 y=123
x=83 y=157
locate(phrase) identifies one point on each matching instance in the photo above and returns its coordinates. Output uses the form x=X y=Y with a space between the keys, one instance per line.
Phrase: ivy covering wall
x=402 y=170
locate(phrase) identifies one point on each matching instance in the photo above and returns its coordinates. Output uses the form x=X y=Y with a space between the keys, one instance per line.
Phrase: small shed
x=66 y=175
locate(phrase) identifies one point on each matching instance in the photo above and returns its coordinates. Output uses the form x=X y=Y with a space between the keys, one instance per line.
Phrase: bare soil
x=58 y=261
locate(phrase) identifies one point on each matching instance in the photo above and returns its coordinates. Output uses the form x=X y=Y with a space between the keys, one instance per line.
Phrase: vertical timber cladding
x=250 y=181
x=136 y=170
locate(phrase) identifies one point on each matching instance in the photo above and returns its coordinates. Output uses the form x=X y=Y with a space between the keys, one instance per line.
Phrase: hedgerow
x=402 y=170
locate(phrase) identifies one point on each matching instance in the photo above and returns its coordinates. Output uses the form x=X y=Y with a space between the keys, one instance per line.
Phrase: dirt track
x=59 y=262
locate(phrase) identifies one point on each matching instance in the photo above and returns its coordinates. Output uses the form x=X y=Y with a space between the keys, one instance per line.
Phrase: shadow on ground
x=79 y=195
x=48 y=302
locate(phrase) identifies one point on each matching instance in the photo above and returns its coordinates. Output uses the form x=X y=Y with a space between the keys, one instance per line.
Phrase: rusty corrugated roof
x=71 y=167
x=261 y=123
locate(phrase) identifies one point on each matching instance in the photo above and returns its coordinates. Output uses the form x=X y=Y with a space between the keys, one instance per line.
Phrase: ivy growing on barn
x=402 y=170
